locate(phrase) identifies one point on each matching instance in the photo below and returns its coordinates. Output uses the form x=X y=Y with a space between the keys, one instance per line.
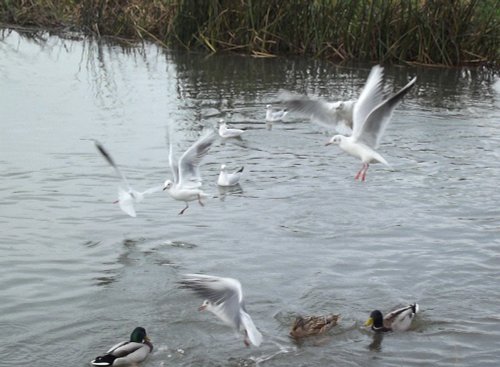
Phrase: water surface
x=77 y=274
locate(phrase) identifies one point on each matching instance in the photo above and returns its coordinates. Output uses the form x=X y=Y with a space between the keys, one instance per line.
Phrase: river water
x=302 y=236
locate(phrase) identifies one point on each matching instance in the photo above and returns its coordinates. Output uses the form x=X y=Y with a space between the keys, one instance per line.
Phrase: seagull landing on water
x=273 y=115
x=224 y=298
x=126 y=198
x=186 y=175
x=330 y=115
x=227 y=178
x=226 y=132
x=370 y=118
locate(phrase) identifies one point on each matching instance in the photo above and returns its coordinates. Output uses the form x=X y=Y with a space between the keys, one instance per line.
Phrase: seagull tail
x=240 y=170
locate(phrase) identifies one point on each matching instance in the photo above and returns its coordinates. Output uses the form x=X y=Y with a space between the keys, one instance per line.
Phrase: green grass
x=445 y=33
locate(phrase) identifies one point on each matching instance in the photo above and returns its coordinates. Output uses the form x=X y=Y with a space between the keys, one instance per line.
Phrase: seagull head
x=268 y=106
x=167 y=185
x=337 y=139
x=205 y=305
x=222 y=167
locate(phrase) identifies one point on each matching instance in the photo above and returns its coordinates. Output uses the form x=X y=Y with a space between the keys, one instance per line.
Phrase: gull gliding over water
x=126 y=198
x=186 y=175
x=371 y=116
x=326 y=114
x=224 y=298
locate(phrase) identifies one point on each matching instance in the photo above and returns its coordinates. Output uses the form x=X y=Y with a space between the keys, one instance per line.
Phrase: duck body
x=398 y=320
x=127 y=353
x=312 y=325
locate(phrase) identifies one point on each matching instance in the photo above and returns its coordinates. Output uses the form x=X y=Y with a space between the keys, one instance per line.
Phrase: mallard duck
x=127 y=352
x=312 y=325
x=397 y=320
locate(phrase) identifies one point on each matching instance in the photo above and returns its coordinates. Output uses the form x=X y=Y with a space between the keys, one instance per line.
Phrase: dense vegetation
x=446 y=32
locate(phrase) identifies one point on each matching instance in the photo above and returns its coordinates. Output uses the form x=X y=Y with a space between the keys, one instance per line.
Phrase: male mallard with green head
x=127 y=352
x=312 y=325
x=397 y=320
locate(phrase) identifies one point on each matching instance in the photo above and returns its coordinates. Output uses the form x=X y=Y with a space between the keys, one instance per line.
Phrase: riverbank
x=443 y=33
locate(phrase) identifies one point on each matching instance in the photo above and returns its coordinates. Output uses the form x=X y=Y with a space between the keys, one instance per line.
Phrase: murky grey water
x=77 y=274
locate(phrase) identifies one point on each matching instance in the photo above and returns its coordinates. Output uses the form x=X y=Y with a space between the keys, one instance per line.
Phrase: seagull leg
x=183 y=210
x=246 y=341
x=199 y=200
x=363 y=176
x=360 y=172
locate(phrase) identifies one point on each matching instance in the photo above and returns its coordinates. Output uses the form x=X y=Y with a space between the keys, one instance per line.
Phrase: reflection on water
x=299 y=233
x=376 y=344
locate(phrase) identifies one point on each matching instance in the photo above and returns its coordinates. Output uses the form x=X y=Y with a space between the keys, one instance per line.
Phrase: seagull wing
x=110 y=160
x=171 y=159
x=253 y=334
x=377 y=120
x=370 y=97
x=224 y=293
x=320 y=112
x=189 y=174
x=126 y=202
x=152 y=190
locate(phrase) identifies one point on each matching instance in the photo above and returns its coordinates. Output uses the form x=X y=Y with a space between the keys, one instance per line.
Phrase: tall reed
x=445 y=32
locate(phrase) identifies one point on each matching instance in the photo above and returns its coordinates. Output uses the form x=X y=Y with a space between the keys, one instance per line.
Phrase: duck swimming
x=126 y=353
x=313 y=325
x=397 y=320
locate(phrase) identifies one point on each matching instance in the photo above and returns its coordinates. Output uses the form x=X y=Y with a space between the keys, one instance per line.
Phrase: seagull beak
x=202 y=308
x=328 y=143
x=369 y=322
x=164 y=188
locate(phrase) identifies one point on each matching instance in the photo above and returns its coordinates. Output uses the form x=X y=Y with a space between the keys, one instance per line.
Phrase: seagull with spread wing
x=371 y=116
x=186 y=174
x=224 y=298
x=330 y=115
x=126 y=197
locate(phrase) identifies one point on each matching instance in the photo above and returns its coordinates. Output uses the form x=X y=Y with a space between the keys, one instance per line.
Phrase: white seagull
x=370 y=118
x=327 y=114
x=226 y=132
x=275 y=115
x=126 y=198
x=224 y=298
x=227 y=178
x=186 y=175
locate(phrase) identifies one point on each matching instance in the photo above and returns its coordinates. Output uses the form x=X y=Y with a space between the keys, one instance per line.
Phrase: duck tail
x=105 y=360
